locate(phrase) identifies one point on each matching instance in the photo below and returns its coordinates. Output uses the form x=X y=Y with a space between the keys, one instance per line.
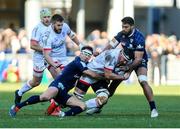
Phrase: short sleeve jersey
x=134 y=42
x=106 y=60
x=56 y=42
x=37 y=35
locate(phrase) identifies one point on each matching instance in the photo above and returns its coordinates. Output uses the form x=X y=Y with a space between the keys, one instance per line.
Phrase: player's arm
x=93 y=74
x=138 y=56
x=35 y=45
x=113 y=76
x=47 y=57
x=74 y=38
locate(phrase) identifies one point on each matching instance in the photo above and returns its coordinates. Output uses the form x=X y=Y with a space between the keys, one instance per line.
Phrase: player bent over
x=60 y=87
x=105 y=64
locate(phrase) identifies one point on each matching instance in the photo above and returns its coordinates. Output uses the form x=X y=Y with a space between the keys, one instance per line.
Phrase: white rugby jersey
x=56 y=42
x=106 y=60
x=37 y=35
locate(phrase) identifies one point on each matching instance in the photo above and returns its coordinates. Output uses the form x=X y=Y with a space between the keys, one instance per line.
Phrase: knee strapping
x=142 y=78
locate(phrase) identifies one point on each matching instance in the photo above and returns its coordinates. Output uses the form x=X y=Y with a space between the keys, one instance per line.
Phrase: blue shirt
x=135 y=41
x=70 y=74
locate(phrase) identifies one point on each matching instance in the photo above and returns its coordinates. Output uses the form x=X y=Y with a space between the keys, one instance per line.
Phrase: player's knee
x=102 y=96
x=142 y=79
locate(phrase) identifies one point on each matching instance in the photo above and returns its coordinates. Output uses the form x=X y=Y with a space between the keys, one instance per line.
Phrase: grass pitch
x=128 y=108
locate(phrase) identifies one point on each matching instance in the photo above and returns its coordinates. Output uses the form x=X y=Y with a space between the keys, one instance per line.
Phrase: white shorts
x=62 y=62
x=38 y=65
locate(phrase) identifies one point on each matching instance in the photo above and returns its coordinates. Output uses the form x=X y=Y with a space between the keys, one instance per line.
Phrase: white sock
x=26 y=87
x=91 y=103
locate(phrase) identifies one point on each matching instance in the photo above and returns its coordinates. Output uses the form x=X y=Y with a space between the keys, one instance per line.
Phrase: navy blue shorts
x=143 y=64
x=62 y=95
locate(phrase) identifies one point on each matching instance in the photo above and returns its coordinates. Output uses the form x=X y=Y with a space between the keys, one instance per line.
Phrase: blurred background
x=95 y=22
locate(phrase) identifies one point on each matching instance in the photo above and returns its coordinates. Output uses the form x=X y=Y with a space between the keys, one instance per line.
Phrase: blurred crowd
x=16 y=41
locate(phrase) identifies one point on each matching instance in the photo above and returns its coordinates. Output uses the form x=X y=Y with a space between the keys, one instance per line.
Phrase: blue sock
x=32 y=100
x=73 y=111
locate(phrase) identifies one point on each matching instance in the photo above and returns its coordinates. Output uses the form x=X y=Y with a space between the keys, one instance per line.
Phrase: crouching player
x=60 y=87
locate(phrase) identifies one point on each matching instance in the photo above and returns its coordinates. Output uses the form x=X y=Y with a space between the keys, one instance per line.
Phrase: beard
x=127 y=33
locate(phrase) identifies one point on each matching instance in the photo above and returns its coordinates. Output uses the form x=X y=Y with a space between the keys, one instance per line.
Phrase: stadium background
x=95 y=22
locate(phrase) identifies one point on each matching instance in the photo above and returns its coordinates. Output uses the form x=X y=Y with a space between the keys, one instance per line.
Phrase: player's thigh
x=49 y=93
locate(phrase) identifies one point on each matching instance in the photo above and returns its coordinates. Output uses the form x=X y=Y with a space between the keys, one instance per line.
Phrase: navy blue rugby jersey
x=135 y=41
x=72 y=73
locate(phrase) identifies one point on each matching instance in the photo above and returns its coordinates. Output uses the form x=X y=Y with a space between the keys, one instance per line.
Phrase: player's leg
x=95 y=105
x=38 y=68
x=142 y=78
x=113 y=86
x=51 y=92
x=53 y=109
x=81 y=89
x=35 y=81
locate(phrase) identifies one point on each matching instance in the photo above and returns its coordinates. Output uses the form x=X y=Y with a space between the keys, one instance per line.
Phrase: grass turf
x=127 y=108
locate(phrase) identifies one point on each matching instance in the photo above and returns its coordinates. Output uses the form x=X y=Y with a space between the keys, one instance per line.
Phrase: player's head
x=125 y=56
x=45 y=15
x=57 y=22
x=127 y=25
x=86 y=53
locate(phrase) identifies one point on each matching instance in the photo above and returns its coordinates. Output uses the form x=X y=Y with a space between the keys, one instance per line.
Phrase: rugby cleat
x=13 y=110
x=61 y=114
x=17 y=98
x=154 y=113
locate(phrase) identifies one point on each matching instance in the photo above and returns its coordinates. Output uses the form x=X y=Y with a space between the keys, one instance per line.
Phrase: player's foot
x=93 y=111
x=154 y=113
x=56 y=111
x=51 y=107
x=17 y=98
x=13 y=110
x=61 y=114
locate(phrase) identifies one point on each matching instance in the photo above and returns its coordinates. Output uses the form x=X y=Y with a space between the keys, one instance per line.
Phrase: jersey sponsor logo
x=76 y=76
x=139 y=46
x=60 y=85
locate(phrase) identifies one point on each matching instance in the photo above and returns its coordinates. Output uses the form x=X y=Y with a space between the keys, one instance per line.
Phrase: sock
x=32 y=100
x=91 y=103
x=152 y=105
x=26 y=87
x=73 y=111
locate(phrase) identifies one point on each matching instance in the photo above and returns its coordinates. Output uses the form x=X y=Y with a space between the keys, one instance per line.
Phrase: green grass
x=128 y=108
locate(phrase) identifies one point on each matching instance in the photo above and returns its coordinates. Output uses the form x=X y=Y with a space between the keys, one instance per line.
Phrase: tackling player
x=132 y=39
x=60 y=87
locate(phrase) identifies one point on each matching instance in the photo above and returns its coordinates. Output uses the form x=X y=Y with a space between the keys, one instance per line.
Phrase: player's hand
x=124 y=68
x=96 y=53
x=126 y=75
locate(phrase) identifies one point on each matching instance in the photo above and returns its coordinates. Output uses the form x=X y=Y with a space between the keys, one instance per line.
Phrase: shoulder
x=139 y=37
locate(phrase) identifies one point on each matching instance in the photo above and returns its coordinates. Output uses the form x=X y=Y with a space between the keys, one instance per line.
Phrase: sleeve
x=140 y=43
x=47 y=41
x=35 y=35
x=118 y=37
x=67 y=28
x=82 y=66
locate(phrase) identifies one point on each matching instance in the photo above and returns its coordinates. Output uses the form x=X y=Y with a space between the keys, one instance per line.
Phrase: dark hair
x=87 y=47
x=57 y=17
x=128 y=20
